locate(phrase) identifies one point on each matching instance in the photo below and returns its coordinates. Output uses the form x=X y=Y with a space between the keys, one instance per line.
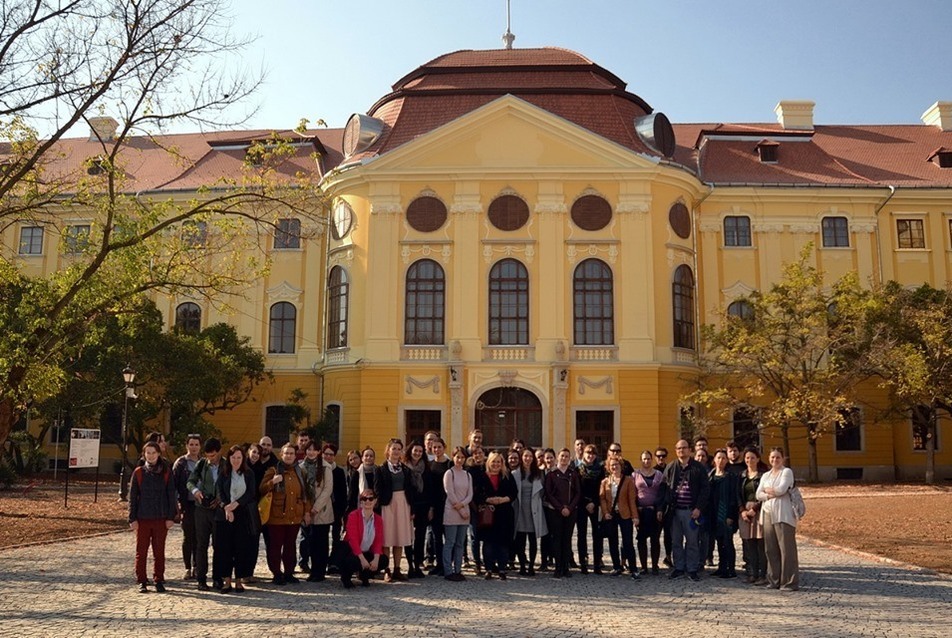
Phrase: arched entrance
x=504 y=414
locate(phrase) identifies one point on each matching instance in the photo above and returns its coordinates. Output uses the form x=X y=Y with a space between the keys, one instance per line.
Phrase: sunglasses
x=661 y=456
x=614 y=449
x=367 y=499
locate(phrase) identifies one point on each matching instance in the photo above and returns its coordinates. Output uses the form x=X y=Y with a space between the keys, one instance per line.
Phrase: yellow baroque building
x=520 y=244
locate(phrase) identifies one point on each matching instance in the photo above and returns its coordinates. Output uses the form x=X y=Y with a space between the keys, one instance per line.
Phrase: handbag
x=796 y=499
x=264 y=508
x=485 y=516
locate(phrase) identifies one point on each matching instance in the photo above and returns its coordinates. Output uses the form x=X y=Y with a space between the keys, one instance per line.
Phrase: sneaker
x=189 y=575
x=160 y=587
x=693 y=576
x=678 y=574
x=635 y=576
x=143 y=588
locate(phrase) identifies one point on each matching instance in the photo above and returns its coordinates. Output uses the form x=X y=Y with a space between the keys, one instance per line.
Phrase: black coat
x=383 y=484
x=152 y=495
x=339 y=495
x=244 y=517
x=697 y=480
x=504 y=518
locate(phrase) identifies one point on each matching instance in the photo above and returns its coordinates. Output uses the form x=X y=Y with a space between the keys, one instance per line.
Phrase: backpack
x=138 y=474
x=796 y=500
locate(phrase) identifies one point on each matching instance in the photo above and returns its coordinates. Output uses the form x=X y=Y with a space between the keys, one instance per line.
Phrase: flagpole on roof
x=508 y=37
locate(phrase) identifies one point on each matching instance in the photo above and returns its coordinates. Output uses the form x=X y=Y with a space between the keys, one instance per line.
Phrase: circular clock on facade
x=343 y=220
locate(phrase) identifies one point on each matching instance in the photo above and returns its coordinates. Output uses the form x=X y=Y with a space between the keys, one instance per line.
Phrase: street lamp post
x=129 y=377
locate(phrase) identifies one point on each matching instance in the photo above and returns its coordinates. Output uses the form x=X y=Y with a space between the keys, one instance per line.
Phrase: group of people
x=438 y=511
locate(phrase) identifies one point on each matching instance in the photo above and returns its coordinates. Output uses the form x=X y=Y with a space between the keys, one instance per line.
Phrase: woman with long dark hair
x=235 y=527
x=421 y=508
x=751 y=531
x=651 y=492
x=725 y=504
x=562 y=495
x=361 y=477
x=320 y=480
x=290 y=506
x=152 y=510
x=529 y=513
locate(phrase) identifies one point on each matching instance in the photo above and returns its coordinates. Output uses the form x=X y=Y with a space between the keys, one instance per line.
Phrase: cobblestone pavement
x=85 y=588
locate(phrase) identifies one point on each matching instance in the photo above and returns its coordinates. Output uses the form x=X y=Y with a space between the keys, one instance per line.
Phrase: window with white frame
x=737 y=230
x=287 y=234
x=836 y=232
x=31 y=240
x=76 y=238
x=910 y=233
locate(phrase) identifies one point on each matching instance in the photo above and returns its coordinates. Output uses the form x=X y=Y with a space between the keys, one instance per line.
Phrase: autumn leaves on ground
x=907 y=523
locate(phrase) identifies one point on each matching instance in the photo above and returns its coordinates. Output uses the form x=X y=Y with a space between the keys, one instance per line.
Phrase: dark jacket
x=562 y=489
x=180 y=474
x=504 y=521
x=246 y=501
x=353 y=487
x=260 y=468
x=697 y=481
x=590 y=482
x=383 y=484
x=730 y=492
x=152 y=494
x=436 y=470
x=201 y=479
x=339 y=495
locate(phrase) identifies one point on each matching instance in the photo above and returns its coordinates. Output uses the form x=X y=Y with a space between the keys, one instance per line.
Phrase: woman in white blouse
x=780 y=524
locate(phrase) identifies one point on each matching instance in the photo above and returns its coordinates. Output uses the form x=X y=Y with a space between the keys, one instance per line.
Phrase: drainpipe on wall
x=694 y=245
x=879 y=246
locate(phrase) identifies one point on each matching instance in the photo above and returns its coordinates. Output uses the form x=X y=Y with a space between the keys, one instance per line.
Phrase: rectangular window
x=737 y=230
x=849 y=431
x=418 y=422
x=31 y=240
x=923 y=428
x=595 y=427
x=287 y=235
x=76 y=239
x=278 y=424
x=195 y=234
x=910 y=233
x=836 y=232
x=746 y=427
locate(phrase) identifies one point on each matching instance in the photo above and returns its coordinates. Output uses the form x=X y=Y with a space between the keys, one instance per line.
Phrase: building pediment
x=509 y=135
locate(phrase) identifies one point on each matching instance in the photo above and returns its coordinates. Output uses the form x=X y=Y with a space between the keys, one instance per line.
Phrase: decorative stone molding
x=341 y=255
x=584 y=382
x=466 y=204
x=628 y=204
x=444 y=250
x=423 y=353
x=554 y=206
x=710 y=226
x=560 y=350
x=865 y=226
x=433 y=382
x=805 y=228
x=506 y=377
x=456 y=349
x=768 y=227
x=737 y=290
x=573 y=252
x=284 y=292
x=594 y=353
x=385 y=204
x=508 y=353
x=508 y=250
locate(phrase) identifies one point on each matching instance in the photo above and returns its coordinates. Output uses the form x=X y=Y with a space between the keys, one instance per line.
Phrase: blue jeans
x=684 y=537
x=453 y=548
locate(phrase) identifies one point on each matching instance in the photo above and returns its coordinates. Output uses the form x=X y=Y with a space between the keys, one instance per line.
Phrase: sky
x=862 y=62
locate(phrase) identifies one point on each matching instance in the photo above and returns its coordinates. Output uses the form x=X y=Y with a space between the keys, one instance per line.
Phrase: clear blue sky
x=872 y=61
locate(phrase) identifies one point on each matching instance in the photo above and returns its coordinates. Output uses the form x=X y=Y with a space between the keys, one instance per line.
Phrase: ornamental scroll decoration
x=584 y=382
x=433 y=382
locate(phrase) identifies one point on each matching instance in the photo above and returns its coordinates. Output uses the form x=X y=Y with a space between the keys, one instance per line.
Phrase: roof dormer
x=768 y=151
x=941 y=157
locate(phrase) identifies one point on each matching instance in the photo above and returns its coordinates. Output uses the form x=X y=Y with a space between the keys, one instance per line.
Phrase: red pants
x=281 y=549
x=151 y=532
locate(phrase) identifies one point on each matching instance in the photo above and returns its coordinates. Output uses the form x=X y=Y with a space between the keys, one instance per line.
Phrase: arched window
x=188 y=318
x=683 y=299
x=508 y=304
x=741 y=309
x=593 y=305
x=337 y=296
x=424 y=307
x=283 y=318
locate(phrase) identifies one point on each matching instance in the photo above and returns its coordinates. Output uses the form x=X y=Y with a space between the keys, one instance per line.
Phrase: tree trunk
x=813 y=475
x=930 y=448
x=785 y=432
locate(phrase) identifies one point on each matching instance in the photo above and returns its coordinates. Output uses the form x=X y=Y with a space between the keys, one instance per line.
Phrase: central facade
x=511 y=251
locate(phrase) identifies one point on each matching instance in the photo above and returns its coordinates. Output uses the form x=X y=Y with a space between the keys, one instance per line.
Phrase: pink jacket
x=355 y=533
x=459 y=489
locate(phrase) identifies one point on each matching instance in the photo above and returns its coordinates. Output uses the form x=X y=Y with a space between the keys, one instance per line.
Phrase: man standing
x=579 y=452
x=303 y=440
x=688 y=491
x=435 y=471
x=266 y=461
x=181 y=470
x=661 y=462
x=201 y=483
x=735 y=462
x=475 y=441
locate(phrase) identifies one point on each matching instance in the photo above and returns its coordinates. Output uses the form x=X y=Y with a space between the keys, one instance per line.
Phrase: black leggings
x=521 y=538
x=648 y=528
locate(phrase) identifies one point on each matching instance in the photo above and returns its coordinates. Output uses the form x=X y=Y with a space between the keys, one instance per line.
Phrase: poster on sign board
x=84 y=447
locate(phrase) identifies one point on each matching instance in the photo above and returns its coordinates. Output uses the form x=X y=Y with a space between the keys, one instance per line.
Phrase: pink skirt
x=397 y=528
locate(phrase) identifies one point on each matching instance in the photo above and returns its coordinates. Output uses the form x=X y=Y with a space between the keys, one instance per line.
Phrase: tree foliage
x=794 y=359
x=150 y=64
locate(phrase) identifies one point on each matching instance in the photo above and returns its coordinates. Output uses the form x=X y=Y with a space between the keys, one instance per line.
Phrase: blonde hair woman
x=495 y=490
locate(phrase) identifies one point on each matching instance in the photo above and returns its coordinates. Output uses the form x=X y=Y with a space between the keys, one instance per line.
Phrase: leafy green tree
x=911 y=354
x=787 y=358
x=151 y=65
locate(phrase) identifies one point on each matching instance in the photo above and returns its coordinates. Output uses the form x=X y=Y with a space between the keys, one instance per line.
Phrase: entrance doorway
x=504 y=414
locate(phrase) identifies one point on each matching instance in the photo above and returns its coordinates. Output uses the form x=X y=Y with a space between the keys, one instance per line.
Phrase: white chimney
x=795 y=114
x=102 y=128
x=939 y=114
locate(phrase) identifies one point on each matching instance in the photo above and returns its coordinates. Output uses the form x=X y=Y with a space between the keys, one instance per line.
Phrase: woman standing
x=780 y=524
x=546 y=465
x=619 y=514
x=421 y=508
x=650 y=492
x=476 y=466
x=495 y=490
x=591 y=471
x=290 y=505
x=394 y=487
x=562 y=495
x=725 y=503
x=235 y=528
x=751 y=531
x=530 y=515
x=458 y=484
x=320 y=481
x=152 y=510
x=362 y=477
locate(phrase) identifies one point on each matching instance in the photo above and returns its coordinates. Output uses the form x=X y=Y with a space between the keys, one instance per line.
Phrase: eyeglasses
x=367 y=499
x=331 y=452
x=193 y=435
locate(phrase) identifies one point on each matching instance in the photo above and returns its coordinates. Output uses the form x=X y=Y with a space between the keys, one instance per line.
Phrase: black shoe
x=531 y=571
x=203 y=586
x=598 y=570
x=502 y=575
x=655 y=571
x=567 y=574
x=693 y=576
x=729 y=575
x=644 y=571
x=436 y=571
x=348 y=584
x=314 y=578
x=160 y=588
x=218 y=583
x=556 y=574
x=667 y=561
x=333 y=569
x=303 y=568
x=290 y=578
x=635 y=576
x=227 y=589
x=583 y=569
x=678 y=574
x=364 y=581
x=278 y=580
x=143 y=588
x=523 y=571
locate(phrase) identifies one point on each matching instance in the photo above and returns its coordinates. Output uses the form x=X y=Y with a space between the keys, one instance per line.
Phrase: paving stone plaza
x=85 y=588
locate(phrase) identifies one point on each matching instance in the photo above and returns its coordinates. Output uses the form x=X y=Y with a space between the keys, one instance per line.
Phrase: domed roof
x=559 y=81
